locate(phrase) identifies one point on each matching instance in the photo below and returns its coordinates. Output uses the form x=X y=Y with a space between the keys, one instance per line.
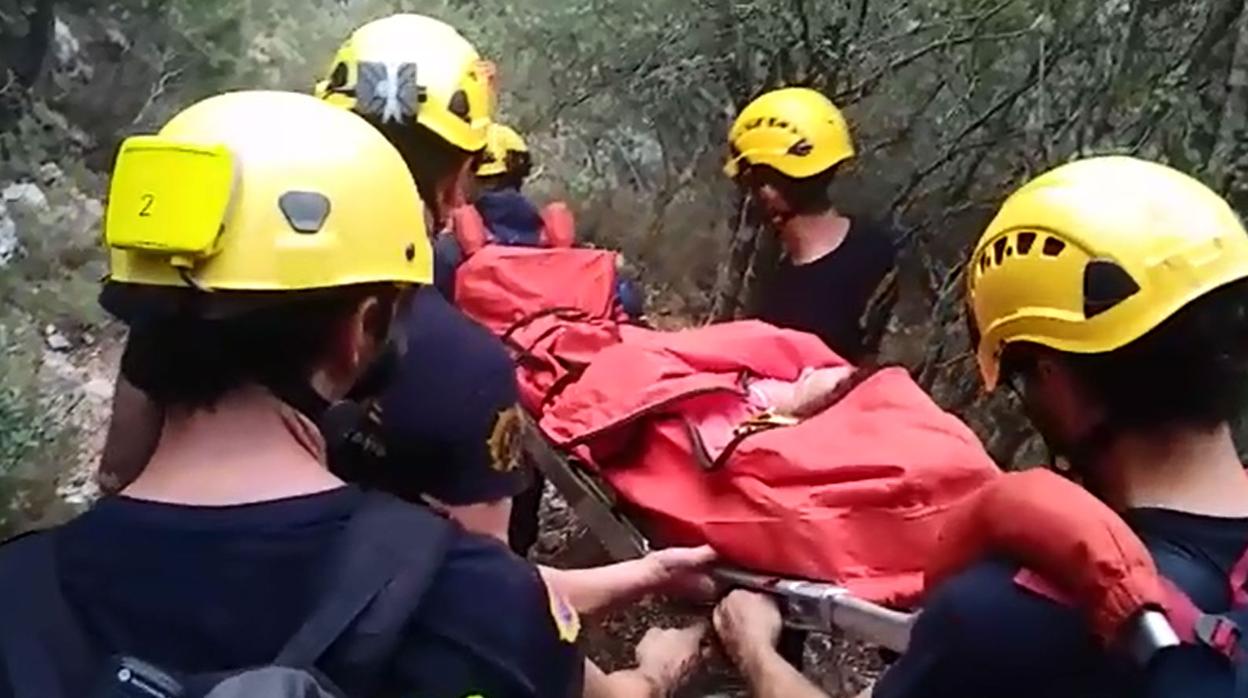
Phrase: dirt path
x=82 y=379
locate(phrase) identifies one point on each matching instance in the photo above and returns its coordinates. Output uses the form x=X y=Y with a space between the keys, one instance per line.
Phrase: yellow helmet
x=1093 y=255
x=412 y=67
x=795 y=130
x=264 y=191
x=500 y=141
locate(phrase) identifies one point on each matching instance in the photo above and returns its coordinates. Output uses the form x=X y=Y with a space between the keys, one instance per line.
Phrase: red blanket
x=855 y=495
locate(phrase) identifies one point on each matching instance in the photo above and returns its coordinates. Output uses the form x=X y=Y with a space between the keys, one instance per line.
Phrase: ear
x=771 y=198
x=356 y=341
x=1065 y=393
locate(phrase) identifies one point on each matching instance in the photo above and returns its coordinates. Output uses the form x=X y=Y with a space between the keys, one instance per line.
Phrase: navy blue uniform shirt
x=511 y=218
x=450 y=415
x=980 y=634
x=213 y=588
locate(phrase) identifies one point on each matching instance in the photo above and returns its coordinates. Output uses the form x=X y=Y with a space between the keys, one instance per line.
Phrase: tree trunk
x=730 y=286
x=1234 y=119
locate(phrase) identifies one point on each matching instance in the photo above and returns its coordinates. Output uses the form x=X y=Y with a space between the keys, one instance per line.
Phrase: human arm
x=749 y=627
x=665 y=658
x=598 y=588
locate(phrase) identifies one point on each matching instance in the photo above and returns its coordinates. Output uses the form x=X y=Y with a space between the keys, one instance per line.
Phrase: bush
x=35 y=440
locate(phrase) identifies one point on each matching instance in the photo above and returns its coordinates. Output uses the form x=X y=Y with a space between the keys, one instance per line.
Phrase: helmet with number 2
x=264 y=191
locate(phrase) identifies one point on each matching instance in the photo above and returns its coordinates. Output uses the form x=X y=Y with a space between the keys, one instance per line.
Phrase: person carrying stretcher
x=1111 y=295
x=837 y=278
x=501 y=214
x=448 y=395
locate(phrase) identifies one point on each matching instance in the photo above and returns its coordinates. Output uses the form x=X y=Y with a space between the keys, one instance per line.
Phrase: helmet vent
x=306 y=211
x=459 y=105
x=1105 y=285
x=801 y=148
x=1053 y=247
x=338 y=79
x=1025 y=242
x=999 y=250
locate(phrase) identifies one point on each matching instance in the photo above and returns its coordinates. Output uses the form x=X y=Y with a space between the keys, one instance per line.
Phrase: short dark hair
x=184 y=358
x=1191 y=370
x=429 y=157
x=806 y=196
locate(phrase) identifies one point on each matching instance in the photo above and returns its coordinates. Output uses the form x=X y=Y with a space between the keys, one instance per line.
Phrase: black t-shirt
x=829 y=296
x=203 y=589
x=981 y=634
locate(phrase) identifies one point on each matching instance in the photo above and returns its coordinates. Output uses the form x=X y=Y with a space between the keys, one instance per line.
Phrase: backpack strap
x=1239 y=582
x=1218 y=631
x=38 y=663
x=381 y=566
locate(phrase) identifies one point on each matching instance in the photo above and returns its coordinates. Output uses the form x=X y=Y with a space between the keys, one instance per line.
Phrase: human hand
x=813 y=388
x=681 y=571
x=666 y=657
x=747 y=623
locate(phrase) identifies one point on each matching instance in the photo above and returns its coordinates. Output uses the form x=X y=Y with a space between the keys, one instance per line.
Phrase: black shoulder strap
x=41 y=644
x=381 y=566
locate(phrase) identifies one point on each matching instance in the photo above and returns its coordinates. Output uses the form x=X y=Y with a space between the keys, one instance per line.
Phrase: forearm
x=595 y=589
x=630 y=683
x=770 y=676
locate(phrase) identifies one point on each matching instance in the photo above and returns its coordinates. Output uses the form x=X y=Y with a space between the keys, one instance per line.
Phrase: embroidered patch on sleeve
x=566 y=618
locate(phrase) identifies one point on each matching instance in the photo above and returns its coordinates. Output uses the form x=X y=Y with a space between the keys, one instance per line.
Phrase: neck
x=250 y=447
x=1191 y=470
x=809 y=238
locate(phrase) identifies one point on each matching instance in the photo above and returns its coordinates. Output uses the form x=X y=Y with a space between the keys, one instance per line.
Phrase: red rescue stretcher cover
x=856 y=494
x=499 y=286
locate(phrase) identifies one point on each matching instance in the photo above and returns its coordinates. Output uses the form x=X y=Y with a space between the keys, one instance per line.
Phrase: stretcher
x=807 y=606
x=658 y=436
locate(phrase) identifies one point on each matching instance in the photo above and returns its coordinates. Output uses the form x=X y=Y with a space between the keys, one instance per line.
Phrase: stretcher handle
x=822 y=607
x=1149 y=633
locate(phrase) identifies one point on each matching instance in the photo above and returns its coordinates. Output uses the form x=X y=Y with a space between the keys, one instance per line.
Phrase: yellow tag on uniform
x=567 y=621
x=169 y=197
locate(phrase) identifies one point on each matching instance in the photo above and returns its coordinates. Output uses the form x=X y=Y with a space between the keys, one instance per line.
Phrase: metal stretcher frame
x=809 y=606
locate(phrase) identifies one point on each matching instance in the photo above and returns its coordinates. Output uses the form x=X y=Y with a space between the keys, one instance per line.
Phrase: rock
x=99 y=389
x=50 y=173
x=116 y=37
x=9 y=244
x=25 y=194
x=66 y=44
x=55 y=340
x=93 y=208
